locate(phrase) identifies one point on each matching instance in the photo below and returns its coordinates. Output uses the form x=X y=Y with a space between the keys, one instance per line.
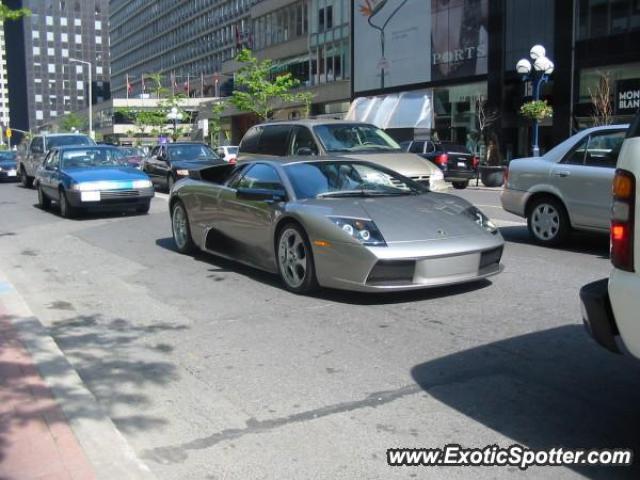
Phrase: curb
x=106 y=448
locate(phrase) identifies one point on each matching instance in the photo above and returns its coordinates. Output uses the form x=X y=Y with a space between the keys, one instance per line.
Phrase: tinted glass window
x=603 y=149
x=417 y=147
x=261 y=176
x=576 y=156
x=341 y=137
x=92 y=157
x=190 y=152
x=273 y=140
x=68 y=140
x=249 y=143
x=37 y=143
x=236 y=176
x=302 y=141
x=452 y=147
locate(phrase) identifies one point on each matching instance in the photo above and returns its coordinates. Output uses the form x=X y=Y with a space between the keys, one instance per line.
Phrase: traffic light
x=8 y=132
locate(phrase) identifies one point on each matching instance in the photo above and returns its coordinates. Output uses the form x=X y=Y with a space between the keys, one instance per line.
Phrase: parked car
x=610 y=306
x=228 y=153
x=346 y=139
x=337 y=223
x=32 y=153
x=91 y=177
x=456 y=162
x=133 y=156
x=168 y=163
x=8 y=165
x=567 y=188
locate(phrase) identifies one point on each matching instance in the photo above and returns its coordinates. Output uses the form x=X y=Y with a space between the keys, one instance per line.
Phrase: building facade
x=44 y=82
x=4 y=86
x=434 y=64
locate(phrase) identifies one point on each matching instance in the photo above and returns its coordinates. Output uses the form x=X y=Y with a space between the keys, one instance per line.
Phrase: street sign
x=8 y=132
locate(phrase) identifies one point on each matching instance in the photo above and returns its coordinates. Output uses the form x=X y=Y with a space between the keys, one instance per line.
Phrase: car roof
x=68 y=134
x=83 y=147
x=182 y=143
x=309 y=122
x=303 y=159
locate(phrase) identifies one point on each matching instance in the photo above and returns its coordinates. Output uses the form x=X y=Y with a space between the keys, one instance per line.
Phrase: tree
x=157 y=78
x=486 y=117
x=7 y=13
x=72 y=121
x=258 y=91
x=215 y=123
x=602 y=107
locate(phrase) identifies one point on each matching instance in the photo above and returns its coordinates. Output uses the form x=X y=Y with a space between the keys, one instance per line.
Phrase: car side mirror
x=304 y=152
x=261 y=195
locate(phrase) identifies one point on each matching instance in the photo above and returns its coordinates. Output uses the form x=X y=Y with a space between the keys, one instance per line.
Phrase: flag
x=129 y=87
x=216 y=85
x=187 y=86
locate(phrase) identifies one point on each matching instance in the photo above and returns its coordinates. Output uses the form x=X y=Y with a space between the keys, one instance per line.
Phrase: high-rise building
x=44 y=82
x=4 y=87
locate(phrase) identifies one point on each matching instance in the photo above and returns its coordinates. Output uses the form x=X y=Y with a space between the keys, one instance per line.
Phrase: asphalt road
x=211 y=370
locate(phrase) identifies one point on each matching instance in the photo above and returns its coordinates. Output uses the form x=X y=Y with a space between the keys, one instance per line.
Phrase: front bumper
x=111 y=199
x=408 y=265
x=597 y=314
x=459 y=175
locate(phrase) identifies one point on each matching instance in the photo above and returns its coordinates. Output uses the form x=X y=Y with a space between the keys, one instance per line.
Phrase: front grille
x=108 y=194
x=390 y=272
x=490 y=257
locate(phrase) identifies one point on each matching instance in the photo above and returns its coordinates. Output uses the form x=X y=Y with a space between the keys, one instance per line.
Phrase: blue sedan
x=83 y=178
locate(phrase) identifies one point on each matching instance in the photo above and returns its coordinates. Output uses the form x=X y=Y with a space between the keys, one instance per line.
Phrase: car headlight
x=92 y=186
x=182 y=172
x=481 y=219
x=435 y=176
x=365 y=231
x=142 y=184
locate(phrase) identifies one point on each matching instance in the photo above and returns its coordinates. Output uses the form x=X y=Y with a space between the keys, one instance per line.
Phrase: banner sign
x=627 y=101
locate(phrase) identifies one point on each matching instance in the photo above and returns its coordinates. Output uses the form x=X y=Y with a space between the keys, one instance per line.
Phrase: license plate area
x=90 y=196
x=12 y=173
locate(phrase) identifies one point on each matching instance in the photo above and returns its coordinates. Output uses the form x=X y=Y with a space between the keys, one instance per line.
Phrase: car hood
x=411 y=218
x=194 y=164
x=407 y=164
x=108 y=173
x=8 y=163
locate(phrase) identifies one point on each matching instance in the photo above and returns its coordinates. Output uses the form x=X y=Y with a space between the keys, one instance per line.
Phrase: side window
x=302 y=142
x=236 y=176
x=576 y=155
x=430 y=147
x=52 y=160
x=416 y=147
x=154 y=151
x=274 y=140
x=261 y=176
x=603 y=149
x=249 y=143
x=37 y=145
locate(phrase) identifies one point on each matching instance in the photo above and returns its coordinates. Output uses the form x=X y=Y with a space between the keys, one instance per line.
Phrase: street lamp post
x=538 y=73
x=174 y=115
x=89 y=68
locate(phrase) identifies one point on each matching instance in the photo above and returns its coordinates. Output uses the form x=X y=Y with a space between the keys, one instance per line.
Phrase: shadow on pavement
x=545 y=389
x=117 y=360
x=596 y=244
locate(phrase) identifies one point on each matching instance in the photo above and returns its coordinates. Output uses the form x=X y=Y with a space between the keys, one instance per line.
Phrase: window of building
x=65 y=52
x=99 y=40
x=51 y=52
x=63 y=21
x=39 y=98
x=49 y=20
x=36 y=50
x=51 y=68
x=98 y=25
x=79 y=85
x=49 y=36
x=35 y=34
x=64 y=38
x=98 y=70
x=598 y=18
x=77 y=22
x=39 y=115
x=78 y=69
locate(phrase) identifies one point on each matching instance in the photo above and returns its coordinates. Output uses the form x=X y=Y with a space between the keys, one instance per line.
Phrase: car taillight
x=442 y=159
x=232 y=160
x=623 y=220
x=475 y=161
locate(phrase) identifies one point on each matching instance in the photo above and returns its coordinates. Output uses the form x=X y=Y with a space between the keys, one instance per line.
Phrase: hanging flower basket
x=536 y=110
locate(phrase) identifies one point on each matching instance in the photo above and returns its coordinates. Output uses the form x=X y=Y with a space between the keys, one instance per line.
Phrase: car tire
x=460 y=185
x=181 y=229
x=44 y=202
x=548 y=221
x=295 y=259
x=25 y=180
x=144 y=208
x=66 y=209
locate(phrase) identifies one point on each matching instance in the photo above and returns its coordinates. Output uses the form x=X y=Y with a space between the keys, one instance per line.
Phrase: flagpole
x=127 y=86
x=201 y=85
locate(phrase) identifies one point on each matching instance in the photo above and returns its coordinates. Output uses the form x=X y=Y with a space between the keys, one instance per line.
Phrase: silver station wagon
x=567 y=188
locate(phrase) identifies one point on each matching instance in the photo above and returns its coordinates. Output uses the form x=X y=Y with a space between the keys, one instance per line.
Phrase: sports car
x=335 y=223
x=91 y=177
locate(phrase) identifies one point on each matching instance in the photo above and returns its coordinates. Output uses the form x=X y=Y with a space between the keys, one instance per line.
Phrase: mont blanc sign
x=627 y=96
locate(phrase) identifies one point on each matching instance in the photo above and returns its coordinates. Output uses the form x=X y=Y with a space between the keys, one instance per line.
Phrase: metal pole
x=90 y=101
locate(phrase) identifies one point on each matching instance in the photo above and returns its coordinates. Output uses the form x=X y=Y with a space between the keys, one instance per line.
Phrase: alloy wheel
x=545 y=221
x=180 y=233
x=293 y=257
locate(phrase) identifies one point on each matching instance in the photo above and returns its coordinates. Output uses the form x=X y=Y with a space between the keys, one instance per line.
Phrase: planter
x=492 y=176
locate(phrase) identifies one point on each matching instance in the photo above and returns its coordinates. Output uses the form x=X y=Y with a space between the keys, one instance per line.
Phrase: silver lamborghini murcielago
x=336 y=223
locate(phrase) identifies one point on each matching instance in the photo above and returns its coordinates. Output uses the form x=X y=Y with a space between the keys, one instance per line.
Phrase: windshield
x=354 y=137
x=132 y=152
x=232 y=150
x=63 y=140
x=325 y=179
x=190 y=152
x=92 y=157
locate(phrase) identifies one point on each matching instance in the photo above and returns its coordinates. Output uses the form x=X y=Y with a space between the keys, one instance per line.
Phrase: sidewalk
x=36 y=441
x=51 y=425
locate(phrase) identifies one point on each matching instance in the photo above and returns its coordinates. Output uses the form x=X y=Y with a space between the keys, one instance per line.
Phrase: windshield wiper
x=361 y=193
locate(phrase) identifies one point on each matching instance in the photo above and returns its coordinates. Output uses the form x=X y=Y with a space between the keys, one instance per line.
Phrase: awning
x=397 y=110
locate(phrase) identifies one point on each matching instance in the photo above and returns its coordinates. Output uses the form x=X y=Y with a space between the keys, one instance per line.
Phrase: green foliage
x=72 y=121
x=7 y=13
x=536 y=110
x=158 y=89
x=215 y=123
x=258 y=90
